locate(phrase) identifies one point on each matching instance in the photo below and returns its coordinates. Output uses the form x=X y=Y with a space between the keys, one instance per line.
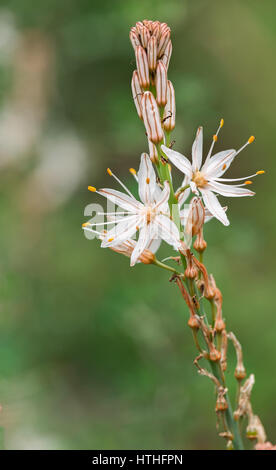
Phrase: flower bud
x=142 y=66
x=137 y=92
x=153 y=152
x=145 y=36
x=150 y=113
x=161 y=84
x=196 y=216
x=164 y=39
x=200 y=244
x=152 y=53
x=169 y=111
x=134 y=38
x=156 y=29
x=167 y=54
x=139 y=25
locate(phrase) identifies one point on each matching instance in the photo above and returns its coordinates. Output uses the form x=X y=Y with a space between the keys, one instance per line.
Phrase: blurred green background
x=94 y=354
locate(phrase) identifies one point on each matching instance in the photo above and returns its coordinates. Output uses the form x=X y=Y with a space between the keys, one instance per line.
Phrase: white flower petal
x=146 y=180
x=212 y=203
x=229 y=190
x=181 y=162
x=197 y=150
x=183 y=196
x=121 y=232
x=218 y=164
x=167 y=230
x=161 y=203
x=154 y=244
x=143 y=240
x=193 y=187
x=209 y=216
x=121 y=199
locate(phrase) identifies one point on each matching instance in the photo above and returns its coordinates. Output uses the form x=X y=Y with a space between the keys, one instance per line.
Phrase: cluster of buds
x=153 y=93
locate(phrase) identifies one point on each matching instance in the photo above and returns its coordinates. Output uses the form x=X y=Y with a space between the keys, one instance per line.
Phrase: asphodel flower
x=206 y=178
x=150 y=216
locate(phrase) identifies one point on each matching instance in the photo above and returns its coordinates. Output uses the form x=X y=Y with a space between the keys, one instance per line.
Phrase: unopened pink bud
x=161 y=84
x=153 y=152
x=151 y=116
x=196 y=216
x=134 y=39
x=169 y=111
x=137 y=92
x=164 y=39
x=145 y=35
x=142 y=66
x=167 y=54
x=139 y=25
x=156 y=29
x=152 y=53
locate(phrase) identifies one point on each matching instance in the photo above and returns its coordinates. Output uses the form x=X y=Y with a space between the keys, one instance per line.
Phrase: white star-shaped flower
x=206 y=177
x=150 y=216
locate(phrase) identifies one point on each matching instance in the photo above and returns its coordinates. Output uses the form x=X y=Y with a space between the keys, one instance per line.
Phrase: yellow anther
x=260 y=172
x=92 y=189
x=221 y=122
x=147 y=180
x=248 y=182
x=85 y=224
x=170 y=167
x=251 y=139
x=110 y=239
x=132 y=171
x=215 y=137
x=109 y=171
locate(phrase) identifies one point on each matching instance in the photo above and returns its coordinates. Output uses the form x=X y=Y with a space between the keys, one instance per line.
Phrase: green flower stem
x=232 y=424
x=165 y=266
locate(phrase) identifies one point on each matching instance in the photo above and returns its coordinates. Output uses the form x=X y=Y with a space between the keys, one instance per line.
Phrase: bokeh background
x=94 y=354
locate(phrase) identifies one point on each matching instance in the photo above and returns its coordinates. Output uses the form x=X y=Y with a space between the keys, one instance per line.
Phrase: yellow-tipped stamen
x=248 y=182
x=85 y=224
x=148 y=181
x=251 y=139
x=120 y=182
x=214 y=140
x=132 y=171
x=110 y=239
x=215 y=137
x=92 y=189
x=221 y=123
x=260 y=172
x=232 y=180
x=170 y=167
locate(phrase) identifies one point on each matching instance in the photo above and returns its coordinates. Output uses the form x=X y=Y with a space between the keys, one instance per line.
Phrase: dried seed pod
x=137 y=92
x=152 y=53
x=161 y=84
x=142 y=66
x=169 y=111
x=150 y=113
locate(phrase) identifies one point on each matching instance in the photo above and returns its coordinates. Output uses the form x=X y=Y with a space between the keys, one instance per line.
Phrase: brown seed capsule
x=137 y=92
x=240 y=372
x=147 y=257
x=161 y=84
x=214 y=354
x=152 y=53
x=193 y=322
x=169 y=111
x=151 y=116
x=142 y=66
x=219 y=325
